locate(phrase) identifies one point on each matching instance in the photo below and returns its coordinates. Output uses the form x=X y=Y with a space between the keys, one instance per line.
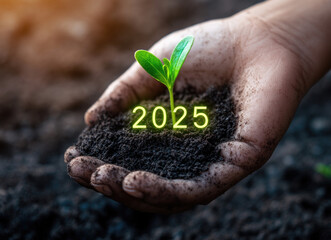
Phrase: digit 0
x=164 y=117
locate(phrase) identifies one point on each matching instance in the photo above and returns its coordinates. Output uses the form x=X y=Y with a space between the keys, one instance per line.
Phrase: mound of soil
x=180 y=153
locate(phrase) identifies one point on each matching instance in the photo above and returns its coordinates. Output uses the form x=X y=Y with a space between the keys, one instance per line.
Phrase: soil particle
x=182 y=153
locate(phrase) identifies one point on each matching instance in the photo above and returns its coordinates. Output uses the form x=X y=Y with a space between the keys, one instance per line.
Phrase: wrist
x=301 y=26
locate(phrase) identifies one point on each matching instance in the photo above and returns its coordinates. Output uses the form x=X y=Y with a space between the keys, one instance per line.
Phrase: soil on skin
x=181 y=153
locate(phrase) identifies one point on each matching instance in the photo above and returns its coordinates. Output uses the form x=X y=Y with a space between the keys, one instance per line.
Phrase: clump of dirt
x=173 y=154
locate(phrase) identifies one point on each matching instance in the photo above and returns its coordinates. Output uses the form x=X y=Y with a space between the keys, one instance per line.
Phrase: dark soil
x=51 y=72
x=181 y=153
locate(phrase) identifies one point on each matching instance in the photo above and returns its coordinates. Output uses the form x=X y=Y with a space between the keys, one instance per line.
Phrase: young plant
x=166 y=73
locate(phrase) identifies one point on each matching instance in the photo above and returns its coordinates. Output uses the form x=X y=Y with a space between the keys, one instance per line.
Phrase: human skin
x=270 y=54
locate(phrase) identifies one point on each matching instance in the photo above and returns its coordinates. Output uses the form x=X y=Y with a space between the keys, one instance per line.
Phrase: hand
x=268 y=80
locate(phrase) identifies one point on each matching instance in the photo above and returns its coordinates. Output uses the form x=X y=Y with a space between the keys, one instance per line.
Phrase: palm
x=262 y=75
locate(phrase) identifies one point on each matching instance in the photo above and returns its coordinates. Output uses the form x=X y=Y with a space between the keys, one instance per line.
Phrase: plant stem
x=172 y=106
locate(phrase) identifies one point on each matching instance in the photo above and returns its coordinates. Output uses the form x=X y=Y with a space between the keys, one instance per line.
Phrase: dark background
x=57 y=57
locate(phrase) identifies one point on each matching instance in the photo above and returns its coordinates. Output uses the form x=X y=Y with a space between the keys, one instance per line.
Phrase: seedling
x=167 y=72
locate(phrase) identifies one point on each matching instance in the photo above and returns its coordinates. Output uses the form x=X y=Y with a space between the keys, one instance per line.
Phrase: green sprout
x=166 y=73
x=324 y=170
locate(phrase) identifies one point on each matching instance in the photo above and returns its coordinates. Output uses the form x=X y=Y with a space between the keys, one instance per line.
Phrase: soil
x=57 y=57
x=181 y=153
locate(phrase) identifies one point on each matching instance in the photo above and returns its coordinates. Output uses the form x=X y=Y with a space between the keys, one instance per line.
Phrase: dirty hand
x=269 y=71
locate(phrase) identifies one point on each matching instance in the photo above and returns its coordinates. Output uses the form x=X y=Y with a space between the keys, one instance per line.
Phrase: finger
x=81 y=169
x=156 y=190
x=135 y=84
x=108 y=178
x=70 y=154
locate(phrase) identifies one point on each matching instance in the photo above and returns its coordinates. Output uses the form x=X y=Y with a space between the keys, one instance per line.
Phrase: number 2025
x=197 y=113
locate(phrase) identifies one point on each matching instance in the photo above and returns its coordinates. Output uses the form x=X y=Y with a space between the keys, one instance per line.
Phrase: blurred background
x=57 y=57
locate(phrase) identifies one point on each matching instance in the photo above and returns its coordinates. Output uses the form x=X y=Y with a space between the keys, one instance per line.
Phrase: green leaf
x=166 y=71
x=166 y=62
x=152 y=65
x=178 y=57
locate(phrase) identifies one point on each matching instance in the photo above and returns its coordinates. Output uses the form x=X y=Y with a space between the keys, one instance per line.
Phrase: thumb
x=131 y=87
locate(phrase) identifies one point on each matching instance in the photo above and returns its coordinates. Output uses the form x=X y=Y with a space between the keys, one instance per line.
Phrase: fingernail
x=91 y=116
x=103 y=189
x=70 y=154
x=75 y=169
x=133 y=191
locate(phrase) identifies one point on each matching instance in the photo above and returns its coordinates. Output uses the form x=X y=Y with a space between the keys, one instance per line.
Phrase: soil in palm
x=180 y=153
